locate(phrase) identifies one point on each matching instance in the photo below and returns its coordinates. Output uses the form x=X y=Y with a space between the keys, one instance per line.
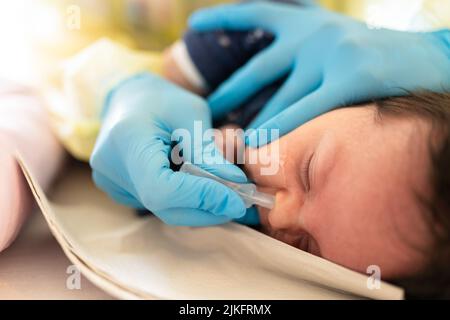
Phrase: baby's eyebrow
x=324 y=160
x=377 y=115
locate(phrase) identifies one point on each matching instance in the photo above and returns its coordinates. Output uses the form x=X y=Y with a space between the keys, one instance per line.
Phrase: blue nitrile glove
x=332 y=60
x=131 y=161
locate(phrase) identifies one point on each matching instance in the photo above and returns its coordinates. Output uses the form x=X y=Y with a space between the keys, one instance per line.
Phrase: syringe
x=247 y=191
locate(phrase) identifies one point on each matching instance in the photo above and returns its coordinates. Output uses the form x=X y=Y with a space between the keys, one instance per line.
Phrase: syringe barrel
x=247 y=191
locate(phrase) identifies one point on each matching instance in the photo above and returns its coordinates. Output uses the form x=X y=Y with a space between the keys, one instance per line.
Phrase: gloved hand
x=142 y=120
x=332 y=61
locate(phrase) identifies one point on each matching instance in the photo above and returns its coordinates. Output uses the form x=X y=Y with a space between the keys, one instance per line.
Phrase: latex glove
x=332 y=61
x=131 y=159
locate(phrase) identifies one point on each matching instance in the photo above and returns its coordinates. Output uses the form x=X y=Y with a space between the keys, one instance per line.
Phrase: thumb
x=319 y=102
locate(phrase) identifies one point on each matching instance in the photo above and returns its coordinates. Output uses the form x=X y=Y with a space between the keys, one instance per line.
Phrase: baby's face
x=346 y=189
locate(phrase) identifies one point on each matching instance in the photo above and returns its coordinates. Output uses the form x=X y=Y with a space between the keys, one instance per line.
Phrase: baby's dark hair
x=434 y=108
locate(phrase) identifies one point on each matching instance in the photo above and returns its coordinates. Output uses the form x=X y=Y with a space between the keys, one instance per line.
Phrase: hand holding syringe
x=247 y=191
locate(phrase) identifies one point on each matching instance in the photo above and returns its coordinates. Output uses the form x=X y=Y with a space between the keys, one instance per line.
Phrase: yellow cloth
x=147 y=24
x=438 y=12
x=87 y=79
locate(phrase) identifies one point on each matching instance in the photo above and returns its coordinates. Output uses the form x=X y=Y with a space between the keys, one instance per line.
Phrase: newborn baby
x=359 y=186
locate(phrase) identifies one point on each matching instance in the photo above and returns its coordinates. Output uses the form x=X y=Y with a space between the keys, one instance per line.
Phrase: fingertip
x=229 y=203
x=263 y=135
x=207 y=19
x=214 y=197
x=195 y=20
x=265 y=115
x=231 y=94
x=251 y=217
x=219 y=103
x=234 y=207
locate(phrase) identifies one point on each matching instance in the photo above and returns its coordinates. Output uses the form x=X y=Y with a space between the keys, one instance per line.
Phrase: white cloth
x=187 y=67
x=135 y=257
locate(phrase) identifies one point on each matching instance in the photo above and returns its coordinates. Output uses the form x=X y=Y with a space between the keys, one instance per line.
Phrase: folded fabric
x=133 y=257
x=24 y=129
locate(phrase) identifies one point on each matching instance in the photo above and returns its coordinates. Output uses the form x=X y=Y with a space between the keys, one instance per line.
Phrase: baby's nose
x=286 y=212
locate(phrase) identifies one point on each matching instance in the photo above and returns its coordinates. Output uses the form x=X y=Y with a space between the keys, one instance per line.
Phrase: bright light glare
x=393 y=14
x=45 y=23
x=22 y=23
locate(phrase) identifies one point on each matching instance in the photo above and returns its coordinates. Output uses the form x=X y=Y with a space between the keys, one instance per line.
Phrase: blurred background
x=37 y=34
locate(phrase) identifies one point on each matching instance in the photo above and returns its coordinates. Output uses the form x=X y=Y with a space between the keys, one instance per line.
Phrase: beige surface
x=34 y=267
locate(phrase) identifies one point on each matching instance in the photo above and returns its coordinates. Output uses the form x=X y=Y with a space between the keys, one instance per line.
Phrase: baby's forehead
x=409 y=137
x=398 y=155
x=395 y=151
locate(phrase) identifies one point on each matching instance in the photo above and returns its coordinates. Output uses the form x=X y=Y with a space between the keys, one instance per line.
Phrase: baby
x=359 y=186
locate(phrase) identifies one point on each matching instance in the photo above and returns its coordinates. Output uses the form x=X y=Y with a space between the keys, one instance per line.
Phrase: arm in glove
x=331 y=61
